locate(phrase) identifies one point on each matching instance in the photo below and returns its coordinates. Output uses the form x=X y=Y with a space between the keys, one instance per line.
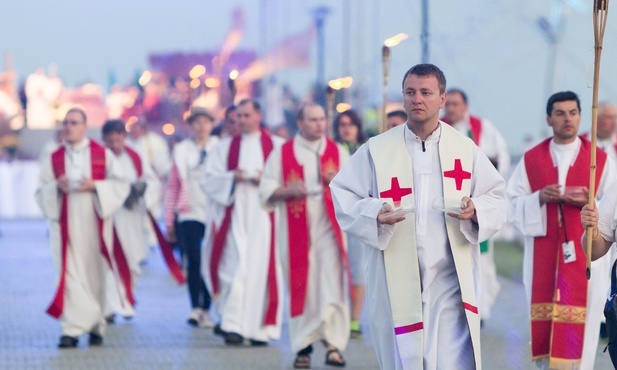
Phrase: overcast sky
x=492 y=49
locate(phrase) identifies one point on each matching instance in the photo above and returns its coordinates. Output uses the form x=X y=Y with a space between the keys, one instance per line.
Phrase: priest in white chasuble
x=423 y=196
x=80 y=187
x=313 y=255
x=130 y=218
x=240 y=265
x=546 y=193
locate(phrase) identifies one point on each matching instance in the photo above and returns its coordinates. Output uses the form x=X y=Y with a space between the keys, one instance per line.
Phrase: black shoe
x=111 y=318
x=67 y=342
x=258 y=343
x=233 y=339
x=218 y=331
x=95 y=340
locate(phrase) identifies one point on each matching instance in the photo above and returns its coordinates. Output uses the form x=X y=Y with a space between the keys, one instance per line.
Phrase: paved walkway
x=158 y=338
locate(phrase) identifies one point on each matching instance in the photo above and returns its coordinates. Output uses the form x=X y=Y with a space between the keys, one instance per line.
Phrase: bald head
x=607 y=120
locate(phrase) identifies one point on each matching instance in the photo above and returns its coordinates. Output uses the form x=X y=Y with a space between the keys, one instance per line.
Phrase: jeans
x=190 y=236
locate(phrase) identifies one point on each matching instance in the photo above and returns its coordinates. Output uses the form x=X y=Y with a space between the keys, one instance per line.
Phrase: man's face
x=348 y=132
x=248 y=118
x=422 y=99
x=136 y=131
x=202 y=127
x=564 y=119
x=456 y=108
x=115 y=142
x=394 y=121
x=75 y=128
x=313 y=126
x=607 y=121
x=231 y=123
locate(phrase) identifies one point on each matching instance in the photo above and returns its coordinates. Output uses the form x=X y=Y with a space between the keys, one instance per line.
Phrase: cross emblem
x=458 y=174
x=395 y=192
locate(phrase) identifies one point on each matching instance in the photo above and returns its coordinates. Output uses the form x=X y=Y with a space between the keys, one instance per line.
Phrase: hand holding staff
x=600 y=13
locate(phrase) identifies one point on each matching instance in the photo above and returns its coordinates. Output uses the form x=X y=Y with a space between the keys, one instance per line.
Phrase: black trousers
x=190 y=236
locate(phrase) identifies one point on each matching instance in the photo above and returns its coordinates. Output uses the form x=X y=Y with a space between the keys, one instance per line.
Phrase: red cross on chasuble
x=395 y=192
x=458 y=174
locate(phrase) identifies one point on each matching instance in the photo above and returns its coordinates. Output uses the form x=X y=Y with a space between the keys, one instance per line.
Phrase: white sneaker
x=196 y=317
x=206 y=322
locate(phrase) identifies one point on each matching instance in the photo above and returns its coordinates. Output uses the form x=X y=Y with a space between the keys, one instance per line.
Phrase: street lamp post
x=319 y=16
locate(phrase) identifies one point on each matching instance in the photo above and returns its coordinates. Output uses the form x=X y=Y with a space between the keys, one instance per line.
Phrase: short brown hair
x=427 y=69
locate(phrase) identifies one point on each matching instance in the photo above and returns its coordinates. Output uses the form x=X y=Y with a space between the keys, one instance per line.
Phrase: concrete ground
x=159 y=338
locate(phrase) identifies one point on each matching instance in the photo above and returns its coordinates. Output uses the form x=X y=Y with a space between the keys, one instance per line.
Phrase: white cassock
x=608 y=145
x=154 y=149
x=496 y=149
x=243 y=268
x=527 y=215
x=447 y=341
x=85 y=266
x=326 y=310
x=130 y=227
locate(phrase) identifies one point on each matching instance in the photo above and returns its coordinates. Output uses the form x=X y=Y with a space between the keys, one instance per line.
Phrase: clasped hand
x=85 y=185
x=552 y=194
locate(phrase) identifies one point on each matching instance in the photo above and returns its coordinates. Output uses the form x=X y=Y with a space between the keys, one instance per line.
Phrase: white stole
x=392 y=160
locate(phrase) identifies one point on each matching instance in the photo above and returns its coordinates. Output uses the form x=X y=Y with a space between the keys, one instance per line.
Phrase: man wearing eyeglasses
x=80 y=187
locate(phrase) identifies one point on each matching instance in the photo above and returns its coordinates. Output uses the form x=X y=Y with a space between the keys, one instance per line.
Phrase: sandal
x=335 y=362
x=302 y=362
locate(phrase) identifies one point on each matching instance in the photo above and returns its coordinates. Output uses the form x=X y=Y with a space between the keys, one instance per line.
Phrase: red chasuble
x=97 y=161
x=559 y=289
x=166 y=249
x=475 y=124
x=220 y=235
x=297 y=222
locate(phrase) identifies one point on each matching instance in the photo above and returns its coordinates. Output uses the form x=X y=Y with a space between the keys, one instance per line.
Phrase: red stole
x=220 y=235
x=297 y=223
x=475 y=124
x=559 y=293
x=166 y=249
x=98 y=167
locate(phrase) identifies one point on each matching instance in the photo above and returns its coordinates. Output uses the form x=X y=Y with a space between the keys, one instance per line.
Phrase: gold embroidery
x=295 y=205
x=329 y=167
x=541 y=311
x=558 y=313
x=570 y=314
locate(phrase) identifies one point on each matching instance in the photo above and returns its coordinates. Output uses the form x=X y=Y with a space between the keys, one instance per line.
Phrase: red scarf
x=559 y=289
x=97 y=161
x=166 y=248
x=220 y=236
x=297 y=222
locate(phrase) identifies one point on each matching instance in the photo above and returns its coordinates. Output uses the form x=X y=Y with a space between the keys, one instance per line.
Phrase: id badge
x=569 y=253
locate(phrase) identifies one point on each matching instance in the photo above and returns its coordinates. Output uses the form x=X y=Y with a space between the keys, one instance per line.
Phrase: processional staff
x=600 y=13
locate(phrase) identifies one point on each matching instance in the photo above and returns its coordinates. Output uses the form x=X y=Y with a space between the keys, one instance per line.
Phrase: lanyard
x=563 y=222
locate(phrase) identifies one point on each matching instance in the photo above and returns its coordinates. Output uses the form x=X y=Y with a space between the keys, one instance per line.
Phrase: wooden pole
x=600 y=12
x=385 y=60
x=231 y=84
x=330 y=95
